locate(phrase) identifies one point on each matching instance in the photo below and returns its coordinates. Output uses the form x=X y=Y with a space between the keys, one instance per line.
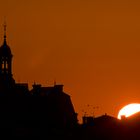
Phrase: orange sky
x=90 y=46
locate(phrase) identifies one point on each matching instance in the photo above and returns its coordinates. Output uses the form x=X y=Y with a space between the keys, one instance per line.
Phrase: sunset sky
x=92 y=47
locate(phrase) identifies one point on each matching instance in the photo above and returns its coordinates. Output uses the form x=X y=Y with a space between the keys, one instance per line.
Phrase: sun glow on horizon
x=129 y=110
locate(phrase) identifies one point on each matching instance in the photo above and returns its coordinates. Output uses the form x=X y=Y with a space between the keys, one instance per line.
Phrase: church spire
x=4 y=31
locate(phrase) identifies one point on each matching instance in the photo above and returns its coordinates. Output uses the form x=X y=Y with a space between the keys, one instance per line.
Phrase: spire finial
x=4 y=29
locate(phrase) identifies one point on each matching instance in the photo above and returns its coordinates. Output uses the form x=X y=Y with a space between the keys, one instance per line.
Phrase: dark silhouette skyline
x=48 y=112
x=31 y=113
x=88 y=44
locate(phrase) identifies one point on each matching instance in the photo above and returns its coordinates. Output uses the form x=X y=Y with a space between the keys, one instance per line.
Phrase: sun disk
x=129 y=110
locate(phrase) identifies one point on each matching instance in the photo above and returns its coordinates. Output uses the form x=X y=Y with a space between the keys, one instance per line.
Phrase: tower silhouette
x=6 y=78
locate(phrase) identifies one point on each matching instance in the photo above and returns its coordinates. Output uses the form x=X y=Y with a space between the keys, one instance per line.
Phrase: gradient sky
x=90 y=46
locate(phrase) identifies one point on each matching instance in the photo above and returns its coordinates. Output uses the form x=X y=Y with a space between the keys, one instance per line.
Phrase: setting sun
x=129 y=110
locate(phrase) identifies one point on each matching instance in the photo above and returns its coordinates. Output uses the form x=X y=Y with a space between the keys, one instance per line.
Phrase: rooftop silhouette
x=32 y=112
x=48 y=112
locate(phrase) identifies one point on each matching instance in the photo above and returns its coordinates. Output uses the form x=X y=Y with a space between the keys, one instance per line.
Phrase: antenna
x=34 y=82
x=54 y=82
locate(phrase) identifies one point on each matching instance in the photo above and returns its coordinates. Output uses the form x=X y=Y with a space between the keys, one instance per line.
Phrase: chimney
x=58 y=88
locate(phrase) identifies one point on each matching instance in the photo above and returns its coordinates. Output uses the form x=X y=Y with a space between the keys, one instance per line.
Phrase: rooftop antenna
x=34 y=82
x=54 y=82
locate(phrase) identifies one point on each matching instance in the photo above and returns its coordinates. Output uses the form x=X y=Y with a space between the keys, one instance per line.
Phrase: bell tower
x=6 y=62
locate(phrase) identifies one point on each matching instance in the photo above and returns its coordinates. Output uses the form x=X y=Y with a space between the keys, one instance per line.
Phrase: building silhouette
x=48 y=112
x=41 y=111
